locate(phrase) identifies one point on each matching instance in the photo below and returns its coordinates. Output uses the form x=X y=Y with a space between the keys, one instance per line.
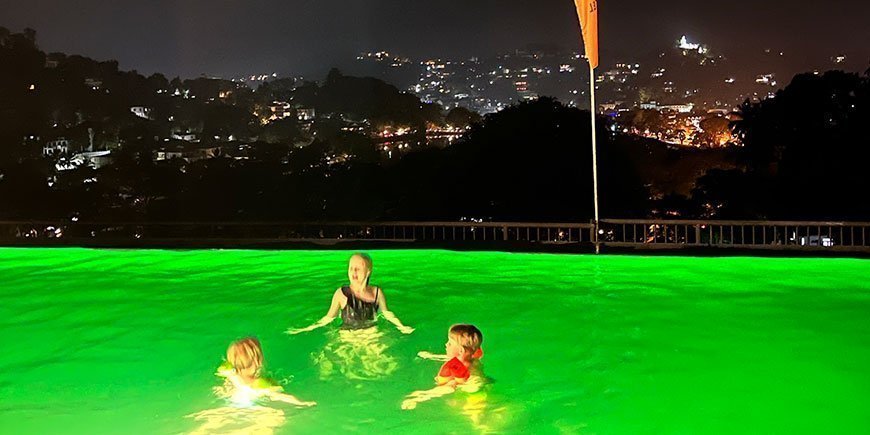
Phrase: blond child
x=242 y=372
x=461 y=368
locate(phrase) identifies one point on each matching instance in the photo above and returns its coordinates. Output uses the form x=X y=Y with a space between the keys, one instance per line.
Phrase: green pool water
x=126 y=341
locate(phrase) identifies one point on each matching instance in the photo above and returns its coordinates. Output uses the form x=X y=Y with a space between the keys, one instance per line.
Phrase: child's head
x=463 y=341
x=246 y=356
x=359 y=269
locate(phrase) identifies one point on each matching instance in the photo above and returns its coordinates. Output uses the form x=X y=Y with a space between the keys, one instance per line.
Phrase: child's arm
x=382 y=304
x=431 y=356
x=334 y=308
x=288 y=398
x=421 y=396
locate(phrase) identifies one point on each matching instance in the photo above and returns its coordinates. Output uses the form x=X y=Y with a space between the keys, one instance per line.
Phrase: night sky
x=229 y=38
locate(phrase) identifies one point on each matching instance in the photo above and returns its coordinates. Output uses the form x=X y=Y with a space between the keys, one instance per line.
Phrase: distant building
x=203 y=152
x=621 y=73
x=185 y=135
x=679 y=108
x=522 y=88
x=52 y=60
x=280 y=110
x=92 y=159
x=766 y=79
x=305 y=114
x=236 y=151
x=56 y=147
x=141 y=111
x=685 y=45
x=168 y=153
x=93 y=84
x=32 y=141
x=607 y=107
x=188 y=151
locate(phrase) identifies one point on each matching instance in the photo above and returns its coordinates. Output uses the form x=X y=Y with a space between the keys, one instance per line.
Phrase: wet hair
x=246 y=356
x=367 y=259
x=467 y=336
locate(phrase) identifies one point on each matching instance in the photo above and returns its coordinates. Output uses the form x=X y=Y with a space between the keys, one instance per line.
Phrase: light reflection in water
x=239 y=420
x=356 y=354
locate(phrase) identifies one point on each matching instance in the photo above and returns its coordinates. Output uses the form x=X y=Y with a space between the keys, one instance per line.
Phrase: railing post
x=595 y=228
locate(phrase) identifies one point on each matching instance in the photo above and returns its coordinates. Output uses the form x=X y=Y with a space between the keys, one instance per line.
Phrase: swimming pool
x=126 y=341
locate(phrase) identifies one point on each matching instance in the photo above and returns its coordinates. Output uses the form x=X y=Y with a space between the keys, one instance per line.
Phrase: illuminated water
x=98 y=341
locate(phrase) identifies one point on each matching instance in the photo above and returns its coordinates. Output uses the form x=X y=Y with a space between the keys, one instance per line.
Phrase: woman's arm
x=334 y=308
x=382 y=305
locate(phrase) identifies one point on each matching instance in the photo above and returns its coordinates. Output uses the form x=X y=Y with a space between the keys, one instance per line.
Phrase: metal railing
x=616 y=233
x=554 y=233
x=735 y=234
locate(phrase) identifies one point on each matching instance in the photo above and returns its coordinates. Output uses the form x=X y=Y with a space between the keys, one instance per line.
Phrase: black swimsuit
x=358 y=313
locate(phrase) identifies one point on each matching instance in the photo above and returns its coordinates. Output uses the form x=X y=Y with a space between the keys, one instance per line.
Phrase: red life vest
x=453 y=370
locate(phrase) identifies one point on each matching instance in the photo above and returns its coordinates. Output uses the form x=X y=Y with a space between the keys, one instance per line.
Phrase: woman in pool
x=358 y=303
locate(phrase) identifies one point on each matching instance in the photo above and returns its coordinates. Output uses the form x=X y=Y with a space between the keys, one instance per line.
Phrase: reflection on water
x=472 y=401
x=242 y=415
x=474 y=407
x=240 y=397
x=355 y=354
x=233 y=420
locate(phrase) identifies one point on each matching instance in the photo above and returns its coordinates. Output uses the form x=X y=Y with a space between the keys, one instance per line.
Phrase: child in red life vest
x=460 y=369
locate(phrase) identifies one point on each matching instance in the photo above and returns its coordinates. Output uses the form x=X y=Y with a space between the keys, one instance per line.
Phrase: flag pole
x=594 y=152
x=587 y=12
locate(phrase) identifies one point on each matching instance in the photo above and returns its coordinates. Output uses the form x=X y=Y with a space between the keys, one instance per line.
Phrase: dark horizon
x=309 y=37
